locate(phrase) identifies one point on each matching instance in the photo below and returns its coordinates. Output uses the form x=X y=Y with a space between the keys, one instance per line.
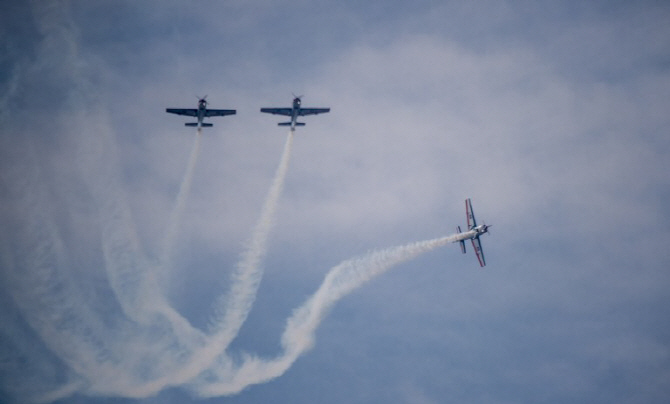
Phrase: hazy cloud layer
x=552 y=118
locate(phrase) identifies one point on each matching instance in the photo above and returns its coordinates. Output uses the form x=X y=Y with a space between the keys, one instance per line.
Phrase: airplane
x=473 y=233
x=294 y=112
x=201 y=113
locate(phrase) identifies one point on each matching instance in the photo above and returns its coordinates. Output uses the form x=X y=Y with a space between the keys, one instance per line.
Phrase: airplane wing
x=313 y=111
x=477 y=245
x=470 y=214
x=182 y=111
x=220 y=112
x=278 y=111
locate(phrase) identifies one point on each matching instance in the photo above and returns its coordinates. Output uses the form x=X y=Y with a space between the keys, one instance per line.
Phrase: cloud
x=562 y=151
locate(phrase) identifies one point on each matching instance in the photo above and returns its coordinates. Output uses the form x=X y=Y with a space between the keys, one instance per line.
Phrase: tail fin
x=462 y=242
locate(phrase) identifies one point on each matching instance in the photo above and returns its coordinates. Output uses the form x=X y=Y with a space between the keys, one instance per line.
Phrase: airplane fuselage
x=466 y=235
x=481 y=229
x=472 y=233
x=296 y=112
x=202 y=108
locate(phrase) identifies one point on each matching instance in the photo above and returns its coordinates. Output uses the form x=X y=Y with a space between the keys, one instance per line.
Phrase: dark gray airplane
x=294 y=112
x=201 y=113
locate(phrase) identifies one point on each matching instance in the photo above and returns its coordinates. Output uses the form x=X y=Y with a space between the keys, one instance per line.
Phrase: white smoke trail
x=127 y=268
x=44 y=291
x=94 y=347
x=180 y=203
x=104 y=356
x=248 y=273
x=157 y=338
x=132 y=277
x=156 y=279
x=146 y=346
x=95 y=155
x=108 y=356
x=298 y=336
x=231 y=311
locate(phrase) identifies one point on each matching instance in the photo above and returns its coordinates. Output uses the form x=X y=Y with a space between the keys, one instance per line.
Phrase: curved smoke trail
x=131 y=274
x=298 y=336
x=232 y=310
x=94 y=351
x=144 y=345
x=43 y=289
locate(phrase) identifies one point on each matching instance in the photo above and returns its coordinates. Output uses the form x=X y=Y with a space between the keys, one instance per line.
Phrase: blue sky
x=125 y=234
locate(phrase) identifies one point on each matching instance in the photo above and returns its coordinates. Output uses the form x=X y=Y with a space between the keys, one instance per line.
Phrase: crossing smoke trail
x=89 y=349
x=44 y=291
x=230 y=311
x=132 y=343
x=298 y=336
x=182 y=328
x=129 y=362
x=129 y=272
x=155 y=336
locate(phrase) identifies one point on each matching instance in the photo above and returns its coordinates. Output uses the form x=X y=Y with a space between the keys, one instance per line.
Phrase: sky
x=144 y=262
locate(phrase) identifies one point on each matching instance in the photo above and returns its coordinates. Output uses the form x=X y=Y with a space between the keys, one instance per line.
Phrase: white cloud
x=566 y=164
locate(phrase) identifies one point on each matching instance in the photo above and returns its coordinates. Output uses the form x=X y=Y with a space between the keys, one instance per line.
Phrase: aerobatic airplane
x=473 y=233
x=294 y=112
x=201 y=113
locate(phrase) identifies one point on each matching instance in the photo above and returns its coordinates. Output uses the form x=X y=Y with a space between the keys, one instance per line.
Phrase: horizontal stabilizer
x=191 y=124
x=284 y=124
x=207 y=125
x=461 y=242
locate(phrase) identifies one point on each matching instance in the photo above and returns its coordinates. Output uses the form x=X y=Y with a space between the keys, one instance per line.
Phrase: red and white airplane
x=473 y=233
